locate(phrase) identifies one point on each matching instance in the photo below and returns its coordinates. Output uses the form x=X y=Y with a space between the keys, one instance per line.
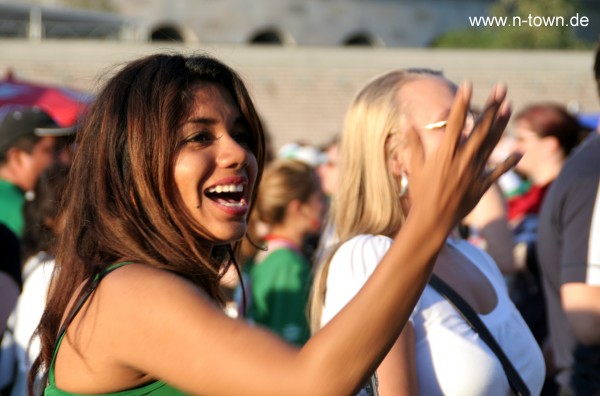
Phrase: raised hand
x=455 y=176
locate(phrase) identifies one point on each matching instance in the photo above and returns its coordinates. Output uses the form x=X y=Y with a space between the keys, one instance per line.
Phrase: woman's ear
x=397 y=164
x=551 y=144
x=294 y=207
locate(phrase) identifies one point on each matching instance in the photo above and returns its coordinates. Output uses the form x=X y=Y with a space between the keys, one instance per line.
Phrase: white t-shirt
x=37 y=273
x=451 y=359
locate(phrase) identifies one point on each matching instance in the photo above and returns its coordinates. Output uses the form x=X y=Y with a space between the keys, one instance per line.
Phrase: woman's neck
x=288 y=232
x=546 y=174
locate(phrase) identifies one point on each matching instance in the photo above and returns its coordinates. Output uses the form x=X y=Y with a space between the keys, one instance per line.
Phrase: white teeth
x=227 y=188
x=240 y=204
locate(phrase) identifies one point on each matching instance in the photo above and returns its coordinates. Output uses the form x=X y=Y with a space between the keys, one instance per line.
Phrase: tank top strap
x=90 y=286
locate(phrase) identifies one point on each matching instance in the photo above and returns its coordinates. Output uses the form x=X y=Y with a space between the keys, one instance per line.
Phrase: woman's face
x=215 y=170
x=531 y=145
x=328 y=172
x=315 y=211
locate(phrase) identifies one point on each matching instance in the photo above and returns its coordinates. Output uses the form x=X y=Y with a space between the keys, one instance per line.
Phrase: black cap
x=17 y=122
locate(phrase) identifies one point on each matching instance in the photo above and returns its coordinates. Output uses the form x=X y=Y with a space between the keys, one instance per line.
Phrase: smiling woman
x=215 y=170
x=157 y=201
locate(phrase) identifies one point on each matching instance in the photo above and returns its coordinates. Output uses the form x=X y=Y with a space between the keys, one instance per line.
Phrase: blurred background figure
x=41 y=228
x=313 y=156
x=328 y=168
x=328 y=172
x=568 y=248
x=27 y=147
x=546 y=134
x=569 y=257
x=10 y=287
x=302 y=151
x=487 y=228
x=290 y=203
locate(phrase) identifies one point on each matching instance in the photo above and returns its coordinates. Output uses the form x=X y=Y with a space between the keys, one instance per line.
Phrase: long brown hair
x=121 y=202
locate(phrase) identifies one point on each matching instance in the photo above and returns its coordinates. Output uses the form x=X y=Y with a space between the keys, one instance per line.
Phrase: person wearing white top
x=438 y=353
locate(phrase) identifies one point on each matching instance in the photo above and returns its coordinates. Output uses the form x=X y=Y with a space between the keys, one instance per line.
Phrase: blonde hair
x=367 y=200
x=283 y=181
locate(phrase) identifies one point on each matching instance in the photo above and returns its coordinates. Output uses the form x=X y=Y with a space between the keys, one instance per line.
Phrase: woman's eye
x=242 y=137
x=201 y=137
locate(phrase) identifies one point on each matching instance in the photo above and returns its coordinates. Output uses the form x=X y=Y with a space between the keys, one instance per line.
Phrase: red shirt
x=529 y=202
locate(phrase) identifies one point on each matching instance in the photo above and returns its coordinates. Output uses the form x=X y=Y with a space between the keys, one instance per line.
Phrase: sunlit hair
x=283 y=181
x=367 y=200
x=121 y=202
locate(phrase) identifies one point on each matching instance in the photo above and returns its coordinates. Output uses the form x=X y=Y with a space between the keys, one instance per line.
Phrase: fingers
x=502 y=168
x=490 y=126
x=498 y=94
x=498 y=126
x=458 y=113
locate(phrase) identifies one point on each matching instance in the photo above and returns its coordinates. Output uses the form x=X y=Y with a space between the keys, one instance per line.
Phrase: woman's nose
x=231 y=153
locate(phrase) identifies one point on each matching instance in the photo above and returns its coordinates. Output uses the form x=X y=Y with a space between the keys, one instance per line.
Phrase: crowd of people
x=162 y=246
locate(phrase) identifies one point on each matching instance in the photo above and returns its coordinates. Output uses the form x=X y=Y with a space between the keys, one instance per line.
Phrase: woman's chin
x=235 y=234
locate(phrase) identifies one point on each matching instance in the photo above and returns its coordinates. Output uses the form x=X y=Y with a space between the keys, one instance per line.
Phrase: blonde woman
x=437 y=352
x=290 y=203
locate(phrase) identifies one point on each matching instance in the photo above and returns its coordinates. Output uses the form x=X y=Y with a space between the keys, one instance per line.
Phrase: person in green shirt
x=290 y=202
x=27 y=147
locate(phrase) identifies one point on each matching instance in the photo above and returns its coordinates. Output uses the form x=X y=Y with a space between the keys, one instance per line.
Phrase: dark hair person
x=40 y=212
x=546 y=134
x=159 y=193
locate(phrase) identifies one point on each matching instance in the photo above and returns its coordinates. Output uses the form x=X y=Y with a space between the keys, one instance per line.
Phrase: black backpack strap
x=472 y=318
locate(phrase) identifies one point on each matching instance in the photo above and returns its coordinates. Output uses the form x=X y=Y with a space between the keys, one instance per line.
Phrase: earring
x=403 y=185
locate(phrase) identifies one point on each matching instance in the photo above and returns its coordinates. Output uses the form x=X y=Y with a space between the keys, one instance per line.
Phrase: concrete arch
x=271 y=35
x=362 y=38
x=172 y=32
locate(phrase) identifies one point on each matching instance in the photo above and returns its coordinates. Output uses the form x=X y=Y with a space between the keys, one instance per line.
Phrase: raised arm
x=181 y=337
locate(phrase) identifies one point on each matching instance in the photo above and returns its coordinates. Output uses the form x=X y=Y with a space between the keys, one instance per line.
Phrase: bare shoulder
x=137 y=316
x=140 y=281
x=151 y=323
x=139 y=297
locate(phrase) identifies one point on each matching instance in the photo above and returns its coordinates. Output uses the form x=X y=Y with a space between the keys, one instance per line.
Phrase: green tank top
x=158 y=388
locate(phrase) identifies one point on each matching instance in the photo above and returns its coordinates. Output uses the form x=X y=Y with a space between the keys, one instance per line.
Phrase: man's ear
x=14 y=156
